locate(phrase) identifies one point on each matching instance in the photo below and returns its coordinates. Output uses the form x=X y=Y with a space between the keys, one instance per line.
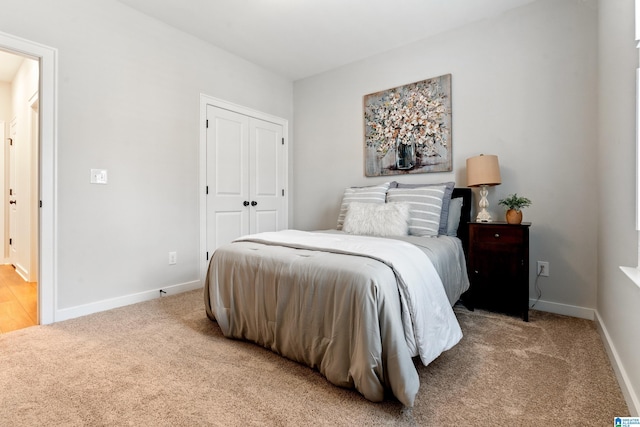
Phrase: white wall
x=523 y=88
x=128 y=102
x=5 y=101
x=618 y=297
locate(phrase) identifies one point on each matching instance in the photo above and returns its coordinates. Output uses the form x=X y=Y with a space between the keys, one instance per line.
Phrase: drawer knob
x=496 y=235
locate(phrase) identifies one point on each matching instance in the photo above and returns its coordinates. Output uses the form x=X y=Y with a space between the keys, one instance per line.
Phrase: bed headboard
x=465 y=215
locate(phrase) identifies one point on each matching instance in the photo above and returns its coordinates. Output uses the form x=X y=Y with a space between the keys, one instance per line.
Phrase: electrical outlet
x=542 y=269
x=173 y=258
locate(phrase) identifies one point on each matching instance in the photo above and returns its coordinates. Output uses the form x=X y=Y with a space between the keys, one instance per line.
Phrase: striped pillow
x=444 y=214
x=373 y=194
x=426 y=205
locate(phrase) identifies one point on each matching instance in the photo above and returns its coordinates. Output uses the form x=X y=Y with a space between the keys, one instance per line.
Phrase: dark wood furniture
x=465 y=215
x=498 y=266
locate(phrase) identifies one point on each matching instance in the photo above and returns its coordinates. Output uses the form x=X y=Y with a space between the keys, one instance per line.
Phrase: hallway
x=18 y=301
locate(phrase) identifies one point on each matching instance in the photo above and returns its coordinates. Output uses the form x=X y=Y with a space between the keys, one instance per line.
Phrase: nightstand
x=498 y=265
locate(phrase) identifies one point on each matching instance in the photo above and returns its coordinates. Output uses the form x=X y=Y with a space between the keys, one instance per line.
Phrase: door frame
x=202 y=187
x=48 y=185
x=34 y=192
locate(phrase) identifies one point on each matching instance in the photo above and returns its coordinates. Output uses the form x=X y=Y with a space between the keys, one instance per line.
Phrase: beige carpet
x=163 y=362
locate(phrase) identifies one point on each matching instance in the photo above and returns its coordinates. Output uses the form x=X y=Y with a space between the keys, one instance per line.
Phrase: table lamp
x=483 y=171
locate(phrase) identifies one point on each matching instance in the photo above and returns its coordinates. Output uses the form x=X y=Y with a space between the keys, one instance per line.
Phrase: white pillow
x=372 y=194
x=426 y=204
x=389 y=219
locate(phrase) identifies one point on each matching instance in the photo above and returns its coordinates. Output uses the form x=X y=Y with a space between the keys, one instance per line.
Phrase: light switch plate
x=98 y=176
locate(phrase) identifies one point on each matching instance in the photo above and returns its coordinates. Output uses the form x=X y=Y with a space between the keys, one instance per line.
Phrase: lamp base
x=483 y=214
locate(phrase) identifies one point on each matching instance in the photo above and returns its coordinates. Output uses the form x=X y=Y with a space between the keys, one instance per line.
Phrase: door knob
x=245 y=203
x=12 y=202
x=253 y=203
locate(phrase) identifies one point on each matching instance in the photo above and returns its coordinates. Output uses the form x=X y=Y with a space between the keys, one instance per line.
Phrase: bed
x=358 y=308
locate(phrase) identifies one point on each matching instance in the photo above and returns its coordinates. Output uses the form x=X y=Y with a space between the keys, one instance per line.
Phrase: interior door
x=267 y=176
x=227 y=176
x=13 y=197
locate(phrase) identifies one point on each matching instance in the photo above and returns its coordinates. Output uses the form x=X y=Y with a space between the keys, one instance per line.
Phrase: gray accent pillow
x=426 y=207
x=455 y=210
x=371 y=194
x=444 y=214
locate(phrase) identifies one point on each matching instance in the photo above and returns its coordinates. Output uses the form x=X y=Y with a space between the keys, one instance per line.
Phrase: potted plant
x=514 y=205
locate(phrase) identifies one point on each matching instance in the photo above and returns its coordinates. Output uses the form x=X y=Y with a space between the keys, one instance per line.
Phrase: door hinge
x=207 y=256
x=10 y=241
x=40 y=203
x=11 y=192
x=283 y=191
x=10 y=141
x=207 y=126
x=206 y=191
x=283 y=141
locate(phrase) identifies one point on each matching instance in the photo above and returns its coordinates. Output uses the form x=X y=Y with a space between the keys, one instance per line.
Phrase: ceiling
x=301 y=38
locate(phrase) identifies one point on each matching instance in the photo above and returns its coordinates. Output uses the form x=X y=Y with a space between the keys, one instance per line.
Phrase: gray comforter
x=339 y=313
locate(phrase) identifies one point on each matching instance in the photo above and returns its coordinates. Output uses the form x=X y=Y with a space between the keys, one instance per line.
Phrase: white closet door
x=227 y=176
x=268 y=173
x=246 y=175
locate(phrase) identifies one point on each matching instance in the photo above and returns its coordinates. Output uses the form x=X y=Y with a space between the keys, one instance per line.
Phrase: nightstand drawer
x=503 y=234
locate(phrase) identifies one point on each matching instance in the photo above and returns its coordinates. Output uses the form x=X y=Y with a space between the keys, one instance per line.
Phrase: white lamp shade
x=483 y=170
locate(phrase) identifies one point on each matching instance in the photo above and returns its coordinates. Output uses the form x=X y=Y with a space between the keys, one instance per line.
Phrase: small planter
x=514 y=205
x=514 y=216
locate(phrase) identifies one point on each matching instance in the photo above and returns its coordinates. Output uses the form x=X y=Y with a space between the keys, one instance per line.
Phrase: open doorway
x=47 y=113
x=19 y=107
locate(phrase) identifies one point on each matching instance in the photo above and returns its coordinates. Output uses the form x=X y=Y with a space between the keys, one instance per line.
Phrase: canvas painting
x=408 y=128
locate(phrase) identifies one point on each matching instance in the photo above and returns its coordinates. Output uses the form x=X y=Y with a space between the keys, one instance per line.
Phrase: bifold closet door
x=246 y=171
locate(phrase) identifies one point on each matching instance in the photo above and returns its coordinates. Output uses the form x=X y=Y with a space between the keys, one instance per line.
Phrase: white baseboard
x=564 y=309
x=630 y=396
x=95 y=307
x=22 y=272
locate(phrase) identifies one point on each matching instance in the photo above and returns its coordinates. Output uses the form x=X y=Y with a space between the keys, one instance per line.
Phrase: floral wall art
x=408 y=128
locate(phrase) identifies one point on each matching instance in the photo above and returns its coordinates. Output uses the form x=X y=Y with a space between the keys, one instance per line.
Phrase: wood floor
x=18 y=301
